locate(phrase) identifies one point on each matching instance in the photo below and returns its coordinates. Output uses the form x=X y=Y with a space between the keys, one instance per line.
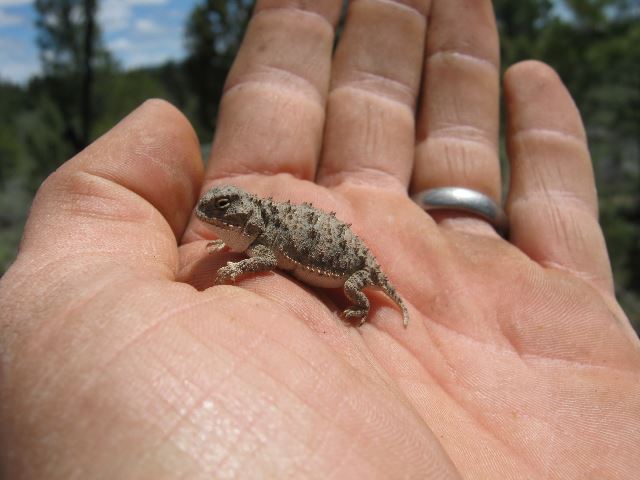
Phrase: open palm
x=517 y=361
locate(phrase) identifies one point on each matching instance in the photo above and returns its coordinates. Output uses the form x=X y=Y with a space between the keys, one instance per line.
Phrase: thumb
x=124 y=199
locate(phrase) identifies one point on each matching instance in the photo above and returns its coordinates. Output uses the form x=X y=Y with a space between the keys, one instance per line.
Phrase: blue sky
x=137 y=32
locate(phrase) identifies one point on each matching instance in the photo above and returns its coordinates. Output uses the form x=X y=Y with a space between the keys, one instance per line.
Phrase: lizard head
x=226 y=206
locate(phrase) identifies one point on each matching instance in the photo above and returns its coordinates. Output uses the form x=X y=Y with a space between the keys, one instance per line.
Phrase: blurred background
x=71 y=69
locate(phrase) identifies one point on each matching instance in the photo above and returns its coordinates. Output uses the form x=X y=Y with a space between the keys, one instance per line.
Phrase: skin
x=119 y=362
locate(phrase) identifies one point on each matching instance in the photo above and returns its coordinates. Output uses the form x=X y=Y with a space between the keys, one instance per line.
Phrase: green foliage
x=12 y=100
x=213 y=34
x=71 y=53
x=122 y=92
x=42 y=134
x=520 y=23
x=62 y=34
x=14 y=205
x=32 y=145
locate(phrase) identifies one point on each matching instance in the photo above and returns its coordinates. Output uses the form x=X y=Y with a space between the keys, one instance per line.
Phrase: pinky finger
x=552 y=204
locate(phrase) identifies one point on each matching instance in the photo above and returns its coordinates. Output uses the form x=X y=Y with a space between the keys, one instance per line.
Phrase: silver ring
x=465 y=200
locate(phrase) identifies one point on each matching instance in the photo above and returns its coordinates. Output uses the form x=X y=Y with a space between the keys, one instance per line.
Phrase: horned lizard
x=315 y=246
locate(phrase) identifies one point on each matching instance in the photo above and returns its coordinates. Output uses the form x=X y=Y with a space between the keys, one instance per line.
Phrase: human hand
x=517 y=361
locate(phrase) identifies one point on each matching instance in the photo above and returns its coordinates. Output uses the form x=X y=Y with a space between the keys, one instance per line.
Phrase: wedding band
x=464 y=200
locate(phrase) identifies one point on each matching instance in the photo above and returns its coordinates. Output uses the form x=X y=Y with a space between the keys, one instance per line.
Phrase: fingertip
x=531 y=70
x=174 y=125
x=537 y=98
x=162 y=109
x=154 y=152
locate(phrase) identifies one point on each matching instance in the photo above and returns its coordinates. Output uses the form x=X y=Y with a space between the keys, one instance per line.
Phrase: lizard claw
x=356 y=313
x=228 y=274
x=216 y=246
x=225 y=275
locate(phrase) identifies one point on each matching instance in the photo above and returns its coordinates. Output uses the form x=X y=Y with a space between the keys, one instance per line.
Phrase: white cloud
x=147 y=59
x=116 y=15
x=133 y=30
x=10 y=45
x=148 y=50
x=18 y=59
x=136 y=36
x=15 y=3
x=146 y=2
x=146 y=26
x=9 y=20
x=20 y=72
x=120 y=44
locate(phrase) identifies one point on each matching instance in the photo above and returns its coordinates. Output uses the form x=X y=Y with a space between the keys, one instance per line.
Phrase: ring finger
x=457 y=135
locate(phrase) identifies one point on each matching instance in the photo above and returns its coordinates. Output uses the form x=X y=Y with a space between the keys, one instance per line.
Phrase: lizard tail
x=383 y=282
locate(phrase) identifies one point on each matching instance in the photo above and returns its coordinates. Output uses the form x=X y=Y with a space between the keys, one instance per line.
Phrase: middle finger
x=370 y=129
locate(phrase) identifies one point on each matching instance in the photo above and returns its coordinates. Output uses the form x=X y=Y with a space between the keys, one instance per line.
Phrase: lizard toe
x=356 y=313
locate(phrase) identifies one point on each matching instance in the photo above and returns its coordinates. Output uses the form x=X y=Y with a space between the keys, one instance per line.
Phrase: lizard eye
x=222 y=202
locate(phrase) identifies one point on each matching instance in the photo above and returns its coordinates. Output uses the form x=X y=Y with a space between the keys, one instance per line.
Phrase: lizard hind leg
x=353 y=290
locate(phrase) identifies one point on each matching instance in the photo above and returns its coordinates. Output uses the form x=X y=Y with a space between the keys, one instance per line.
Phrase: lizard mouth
x=218 y=222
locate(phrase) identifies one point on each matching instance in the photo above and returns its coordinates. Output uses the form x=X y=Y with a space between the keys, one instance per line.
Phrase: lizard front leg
x=261 y=259
x=216 y=246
